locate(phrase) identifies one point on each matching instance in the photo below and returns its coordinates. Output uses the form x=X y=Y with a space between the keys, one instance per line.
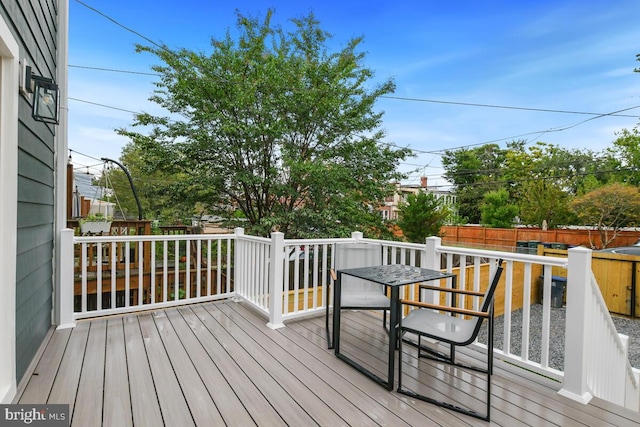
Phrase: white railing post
x=65 y=287
x=575 y=385
x=239 y=265
x=432 y=262
x=357 y=236
x=276 y=280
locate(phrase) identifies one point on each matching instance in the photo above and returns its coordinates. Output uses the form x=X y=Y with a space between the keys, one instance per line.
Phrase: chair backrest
x=491 y=289
x=355 y=255
x=487 y=300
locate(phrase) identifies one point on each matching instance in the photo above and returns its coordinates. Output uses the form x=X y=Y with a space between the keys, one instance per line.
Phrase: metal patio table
x=393 y=276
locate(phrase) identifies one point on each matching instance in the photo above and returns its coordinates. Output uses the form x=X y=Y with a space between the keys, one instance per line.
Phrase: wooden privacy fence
x=617 y=275
x=501 y=237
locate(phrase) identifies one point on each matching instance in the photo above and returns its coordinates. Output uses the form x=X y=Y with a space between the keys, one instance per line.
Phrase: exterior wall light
x=46 y=97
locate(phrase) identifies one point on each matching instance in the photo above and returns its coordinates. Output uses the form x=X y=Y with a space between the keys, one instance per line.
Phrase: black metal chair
x=458 y=327
x=357 y=294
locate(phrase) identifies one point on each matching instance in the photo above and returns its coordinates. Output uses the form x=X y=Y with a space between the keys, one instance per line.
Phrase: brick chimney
x=423 y=181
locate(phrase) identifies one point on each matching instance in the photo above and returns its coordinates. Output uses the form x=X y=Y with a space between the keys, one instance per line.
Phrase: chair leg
x=489 y=359
x=326 y=320
x=400 y=360
x=488 y=372
x=490 y=342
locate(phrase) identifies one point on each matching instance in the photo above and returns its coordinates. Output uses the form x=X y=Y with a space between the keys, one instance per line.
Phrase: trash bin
x=522 y=247
x=556 y=245
x=558 y=286
x=533 y=246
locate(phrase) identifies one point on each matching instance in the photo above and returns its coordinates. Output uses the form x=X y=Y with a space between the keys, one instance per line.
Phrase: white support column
x=9 y=83
x=276 y=281
x=577 y=326
x=65 y=291
x=61 y=146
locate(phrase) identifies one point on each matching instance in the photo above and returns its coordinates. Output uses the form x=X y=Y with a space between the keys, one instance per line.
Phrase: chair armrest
x=446 y=308
x=332 y=272
x=452 y=290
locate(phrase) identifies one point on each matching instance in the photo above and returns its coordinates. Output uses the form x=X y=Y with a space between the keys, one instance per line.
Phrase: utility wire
x=107 y=17
x=115 y=71
x=506 y=107
x=400 y=98
x=104 y=106
x=539 y=132
x=437 y=152
x=158 y=45
x=529 y=179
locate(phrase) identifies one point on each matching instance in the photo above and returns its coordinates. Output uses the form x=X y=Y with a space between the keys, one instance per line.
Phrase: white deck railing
x=599 y=362
x=286 y=279
x=107 y=275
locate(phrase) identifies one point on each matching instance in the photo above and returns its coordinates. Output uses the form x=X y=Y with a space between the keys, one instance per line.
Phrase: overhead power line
x=158 y=45
x=435 y=152
x=506 y=107
x=104 y=106
x=166 y=49
x=115 y=71
x=539 y=132
x=400 y=98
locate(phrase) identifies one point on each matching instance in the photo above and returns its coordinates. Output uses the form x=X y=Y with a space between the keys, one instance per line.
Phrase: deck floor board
x=90 y=399
x=117 y=407
x=145 y=407
x=219 y=363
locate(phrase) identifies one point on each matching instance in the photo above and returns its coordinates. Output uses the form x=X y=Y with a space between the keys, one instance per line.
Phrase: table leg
x=337 y=291
x=393 y=334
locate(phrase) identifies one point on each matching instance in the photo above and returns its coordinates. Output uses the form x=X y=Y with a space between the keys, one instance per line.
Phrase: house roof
x=85 y=188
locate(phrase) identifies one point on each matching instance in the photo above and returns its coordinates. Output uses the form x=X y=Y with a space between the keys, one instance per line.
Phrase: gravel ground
x=556 y=341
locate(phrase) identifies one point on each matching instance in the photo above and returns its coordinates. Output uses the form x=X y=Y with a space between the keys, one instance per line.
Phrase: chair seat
x=448 y=328
x=364 y=299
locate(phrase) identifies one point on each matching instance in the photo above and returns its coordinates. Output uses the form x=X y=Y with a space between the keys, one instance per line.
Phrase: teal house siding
x=34 y=26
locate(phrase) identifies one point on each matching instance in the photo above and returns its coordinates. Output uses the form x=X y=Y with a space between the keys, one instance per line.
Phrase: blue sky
x=575 y=55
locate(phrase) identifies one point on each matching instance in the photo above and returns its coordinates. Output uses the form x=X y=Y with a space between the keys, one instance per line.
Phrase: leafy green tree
x=525 y=163
x=625 y=156
x=541 y=179
x=473 y=172
x=544 y=202
x=497 y=211
x=275 y=125
x=609 y=209
x=169 y=198
x=421 y=216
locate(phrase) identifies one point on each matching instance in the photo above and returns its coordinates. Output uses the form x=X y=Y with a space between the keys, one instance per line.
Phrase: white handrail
x=609 y=373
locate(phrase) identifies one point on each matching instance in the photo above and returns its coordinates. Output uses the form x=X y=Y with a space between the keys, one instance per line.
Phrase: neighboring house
x=87 y=198
x=390 y=209
x=33 y=157
x=84 y=184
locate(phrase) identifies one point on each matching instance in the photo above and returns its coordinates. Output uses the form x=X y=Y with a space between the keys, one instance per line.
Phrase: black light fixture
x=45 y=97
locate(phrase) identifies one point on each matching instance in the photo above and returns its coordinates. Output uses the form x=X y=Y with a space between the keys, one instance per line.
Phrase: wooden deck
x=219 y=364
